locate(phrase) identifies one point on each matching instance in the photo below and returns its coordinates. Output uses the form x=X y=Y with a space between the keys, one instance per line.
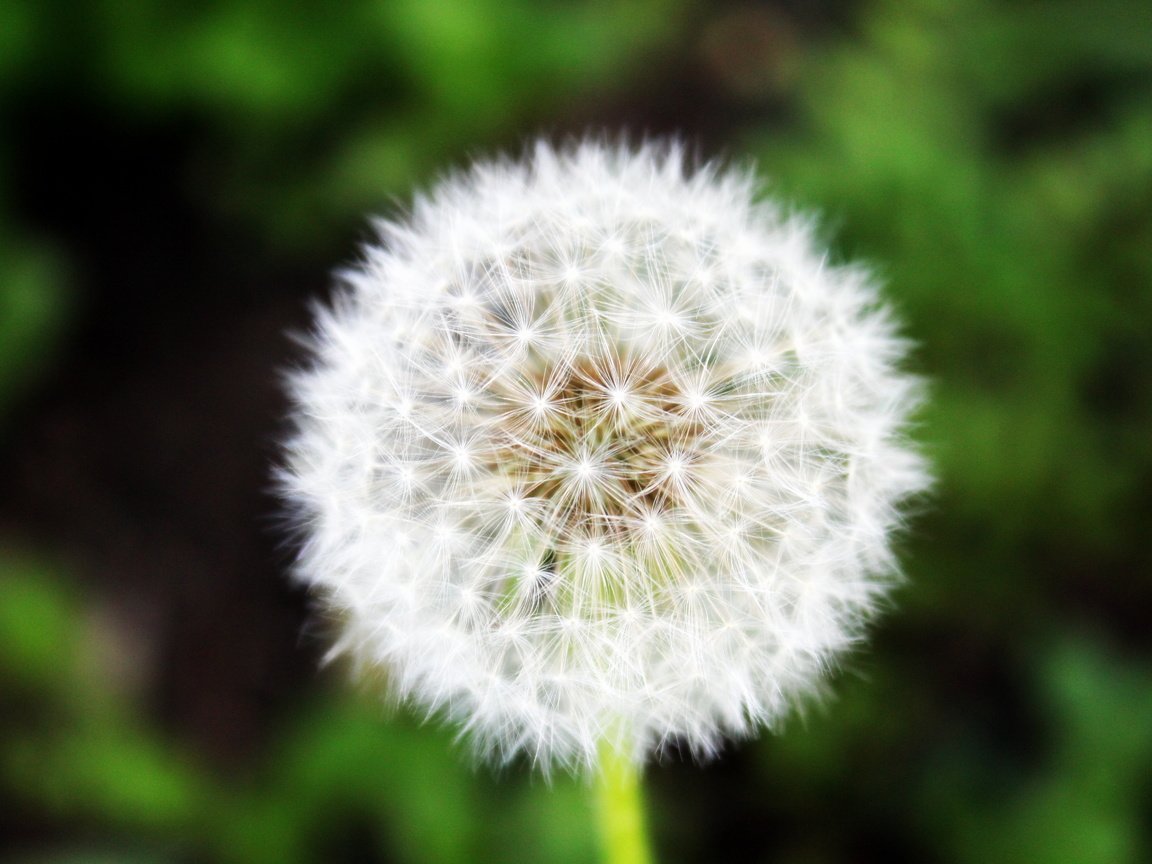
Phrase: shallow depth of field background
x=177 y=180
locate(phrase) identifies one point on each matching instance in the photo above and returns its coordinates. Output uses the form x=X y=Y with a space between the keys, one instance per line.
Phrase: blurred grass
x=991 y=160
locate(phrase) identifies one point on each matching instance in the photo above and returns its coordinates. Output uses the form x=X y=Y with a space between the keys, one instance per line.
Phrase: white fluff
x=596 y=448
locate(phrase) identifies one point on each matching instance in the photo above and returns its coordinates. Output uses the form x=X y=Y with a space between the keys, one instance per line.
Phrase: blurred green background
x=177 y=179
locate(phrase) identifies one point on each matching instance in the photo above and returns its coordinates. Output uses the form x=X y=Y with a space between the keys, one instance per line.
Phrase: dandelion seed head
x=597 y=445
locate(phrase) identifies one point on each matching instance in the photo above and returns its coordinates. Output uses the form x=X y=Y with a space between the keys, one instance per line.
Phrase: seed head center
x=602 y=443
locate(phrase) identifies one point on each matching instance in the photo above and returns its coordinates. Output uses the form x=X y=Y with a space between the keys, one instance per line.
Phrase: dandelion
x=599 y=454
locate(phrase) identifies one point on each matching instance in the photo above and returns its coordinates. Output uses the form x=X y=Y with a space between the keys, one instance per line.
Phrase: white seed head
x=598 y=447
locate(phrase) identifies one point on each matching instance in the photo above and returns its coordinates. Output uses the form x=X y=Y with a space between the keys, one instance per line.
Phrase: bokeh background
x=178 y=179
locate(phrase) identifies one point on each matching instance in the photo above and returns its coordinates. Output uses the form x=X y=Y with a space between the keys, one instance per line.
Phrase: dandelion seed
x=595 y=446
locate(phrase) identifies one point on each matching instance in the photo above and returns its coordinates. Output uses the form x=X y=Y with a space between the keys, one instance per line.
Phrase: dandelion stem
x=620 y=809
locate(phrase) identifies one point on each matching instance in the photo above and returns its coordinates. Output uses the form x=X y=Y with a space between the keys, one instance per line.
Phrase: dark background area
x=178 y=181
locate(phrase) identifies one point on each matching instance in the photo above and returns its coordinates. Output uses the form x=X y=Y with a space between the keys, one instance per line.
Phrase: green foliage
x=315 y=115
x=73 y=744
x=343 y=766
x=1084 y=805
x=33 y=310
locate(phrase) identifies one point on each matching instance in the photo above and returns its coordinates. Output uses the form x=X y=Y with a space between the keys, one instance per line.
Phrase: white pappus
x=599 y=447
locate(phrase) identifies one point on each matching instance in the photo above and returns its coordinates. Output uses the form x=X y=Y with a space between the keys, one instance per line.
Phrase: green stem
x=620 y=809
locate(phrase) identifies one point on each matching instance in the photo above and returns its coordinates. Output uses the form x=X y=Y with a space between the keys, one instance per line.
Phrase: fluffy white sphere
x=596 y=448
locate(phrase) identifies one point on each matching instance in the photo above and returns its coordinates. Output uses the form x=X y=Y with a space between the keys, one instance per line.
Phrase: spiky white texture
x=596 y=447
